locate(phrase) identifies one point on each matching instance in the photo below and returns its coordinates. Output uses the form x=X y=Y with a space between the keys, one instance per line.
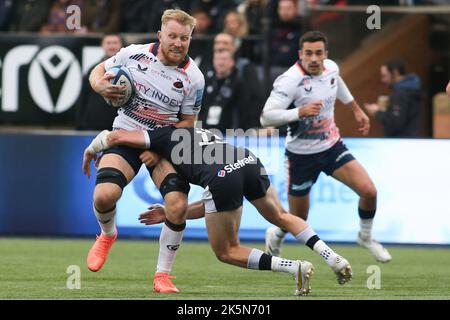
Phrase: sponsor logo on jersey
x=142 y=69
x=229 y=168
x=161 y=74
x=198 y=100
x=306 y=81
x=221 y=173
x=155 y=94
x=178 y=84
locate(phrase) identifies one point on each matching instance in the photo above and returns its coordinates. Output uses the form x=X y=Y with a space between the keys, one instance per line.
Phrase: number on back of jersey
x=207 y=137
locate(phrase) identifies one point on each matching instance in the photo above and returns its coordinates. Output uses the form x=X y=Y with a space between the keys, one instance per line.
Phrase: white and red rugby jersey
x=162 y=92
x=295 y=88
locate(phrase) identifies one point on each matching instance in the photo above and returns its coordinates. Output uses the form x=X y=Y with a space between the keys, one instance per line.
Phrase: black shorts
x=131 y=155
x=304 y=169
x=226 y=191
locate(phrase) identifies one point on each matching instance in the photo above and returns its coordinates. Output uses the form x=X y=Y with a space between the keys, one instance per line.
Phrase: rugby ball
x=122 y=77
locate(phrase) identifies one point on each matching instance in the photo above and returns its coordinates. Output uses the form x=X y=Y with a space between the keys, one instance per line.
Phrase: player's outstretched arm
x=156 y=213
x=106 y=139
x=98 y=144
x=135 y=139
x=361 y=118
x=87 y=157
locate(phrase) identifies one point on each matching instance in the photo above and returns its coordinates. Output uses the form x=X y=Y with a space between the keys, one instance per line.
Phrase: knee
x=176 y=206
x=175 y=209
x=106 y=198
x=369 y=191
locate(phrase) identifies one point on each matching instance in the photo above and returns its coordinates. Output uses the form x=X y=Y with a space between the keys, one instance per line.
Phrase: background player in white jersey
x=303 y=97
x=227 y=173
x=169 y=89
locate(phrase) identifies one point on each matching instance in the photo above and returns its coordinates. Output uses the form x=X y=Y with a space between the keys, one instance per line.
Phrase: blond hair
x=179 y=16
x=243 y=26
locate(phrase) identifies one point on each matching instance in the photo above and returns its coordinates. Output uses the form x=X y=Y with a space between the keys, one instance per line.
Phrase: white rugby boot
x=342 y=269
x=273 y=242
x=303 y=277
x=378 y=251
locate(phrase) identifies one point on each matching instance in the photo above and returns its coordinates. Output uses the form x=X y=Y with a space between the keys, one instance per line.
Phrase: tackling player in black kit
x=227 y=173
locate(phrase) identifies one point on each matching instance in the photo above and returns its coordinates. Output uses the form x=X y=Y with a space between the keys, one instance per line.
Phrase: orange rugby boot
x=99 y=251
x=162 y=283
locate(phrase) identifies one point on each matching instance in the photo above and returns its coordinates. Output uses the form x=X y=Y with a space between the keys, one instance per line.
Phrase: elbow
x=264 y=121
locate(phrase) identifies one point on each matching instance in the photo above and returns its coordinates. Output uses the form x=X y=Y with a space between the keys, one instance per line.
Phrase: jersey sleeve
x=193 y=102
x=119 y=59
x=283 y=94
x=343 y=93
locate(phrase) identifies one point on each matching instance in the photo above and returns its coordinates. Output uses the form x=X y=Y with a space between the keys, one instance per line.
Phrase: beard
x=173 y=56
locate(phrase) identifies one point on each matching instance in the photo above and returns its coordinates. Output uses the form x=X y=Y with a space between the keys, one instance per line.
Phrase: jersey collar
x=300 y=67
x=154 y=50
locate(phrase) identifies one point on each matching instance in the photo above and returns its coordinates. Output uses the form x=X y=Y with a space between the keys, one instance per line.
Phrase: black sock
x=312 y=241
x=366 y=214
x=265 y=262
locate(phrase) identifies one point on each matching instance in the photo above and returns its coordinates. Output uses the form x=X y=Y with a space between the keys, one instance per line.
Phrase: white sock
x=365 y=228
x=325 y=252
x=169 y=242
x=284 y=265
x=253 y=259
x=107 y=221
x=306 y=234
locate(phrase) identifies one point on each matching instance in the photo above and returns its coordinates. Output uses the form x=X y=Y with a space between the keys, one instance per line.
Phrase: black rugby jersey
x=199 y=155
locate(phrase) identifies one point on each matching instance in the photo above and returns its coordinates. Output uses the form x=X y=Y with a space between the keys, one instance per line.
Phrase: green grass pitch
x=37 y=269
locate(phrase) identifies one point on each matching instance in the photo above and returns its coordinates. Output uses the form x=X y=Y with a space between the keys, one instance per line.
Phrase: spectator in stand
x=29 y=15
x=216 y=9
x=102 y=15
x=93 y=113
x=135 y=17
x=226 y=98
x=157 y=9
x=204 y=24
x=401 y=116
x=236 y=25
x=57 y=17
x=247 y=71
x=6 y=10
x=254 y=11
x=284 y=47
